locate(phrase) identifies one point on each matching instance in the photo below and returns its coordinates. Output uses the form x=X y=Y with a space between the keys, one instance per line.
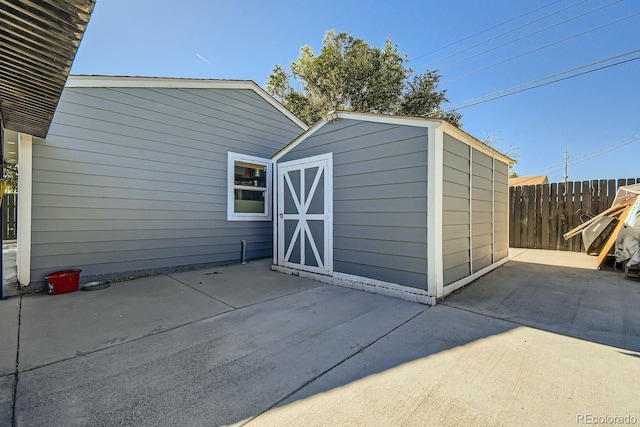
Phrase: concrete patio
x=543 y=340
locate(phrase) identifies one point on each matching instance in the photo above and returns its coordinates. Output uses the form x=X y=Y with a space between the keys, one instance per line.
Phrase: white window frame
x=232 y=158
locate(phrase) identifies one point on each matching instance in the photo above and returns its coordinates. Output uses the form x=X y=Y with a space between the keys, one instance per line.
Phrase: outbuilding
x=409 y=207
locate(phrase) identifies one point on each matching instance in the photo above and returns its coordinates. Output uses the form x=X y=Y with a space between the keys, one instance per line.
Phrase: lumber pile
x=619 y=211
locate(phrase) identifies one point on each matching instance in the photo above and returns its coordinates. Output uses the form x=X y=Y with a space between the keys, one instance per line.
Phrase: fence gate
x=9 y=216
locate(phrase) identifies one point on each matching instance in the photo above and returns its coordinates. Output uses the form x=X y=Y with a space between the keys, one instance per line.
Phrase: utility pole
x=565 y=178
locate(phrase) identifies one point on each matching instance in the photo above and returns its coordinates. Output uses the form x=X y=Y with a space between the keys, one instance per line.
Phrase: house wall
x=379 y=198
x=135 y=179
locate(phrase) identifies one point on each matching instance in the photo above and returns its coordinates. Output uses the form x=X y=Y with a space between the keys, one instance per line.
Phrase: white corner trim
x=466 y=280
x=435 y=172
x=23 y=256
x=274 y=211
x=366 y=284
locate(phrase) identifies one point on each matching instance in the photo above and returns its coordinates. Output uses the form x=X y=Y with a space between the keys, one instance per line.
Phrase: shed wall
x=481 y=210
x=456 y=190
x=379 y=198
x=475 y=203
x=501 y=215
x=135 y=179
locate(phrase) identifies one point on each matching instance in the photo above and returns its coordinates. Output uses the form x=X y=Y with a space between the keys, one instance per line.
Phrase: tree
x=348 y=74
x=10 y=177
x=492 y=139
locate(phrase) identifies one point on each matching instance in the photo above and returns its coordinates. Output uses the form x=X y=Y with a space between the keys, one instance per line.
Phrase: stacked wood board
x=620 y=210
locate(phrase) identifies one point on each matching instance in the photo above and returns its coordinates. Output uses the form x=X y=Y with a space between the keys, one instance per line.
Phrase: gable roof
x=180 y=83
x=528 y=180
x=38 y=42
x=398 y=120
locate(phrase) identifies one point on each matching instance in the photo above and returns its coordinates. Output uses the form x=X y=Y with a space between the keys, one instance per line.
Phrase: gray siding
x=133 y=180
x=501 y=225
x=456 y=262
x=475 y=204
x=379 y=198
x=481 y=211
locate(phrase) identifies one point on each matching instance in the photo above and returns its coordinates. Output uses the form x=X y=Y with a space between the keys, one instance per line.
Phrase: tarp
x=628 y=240
x=625 y=192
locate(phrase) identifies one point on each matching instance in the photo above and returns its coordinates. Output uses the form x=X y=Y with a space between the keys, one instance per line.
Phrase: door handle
x=281 y=215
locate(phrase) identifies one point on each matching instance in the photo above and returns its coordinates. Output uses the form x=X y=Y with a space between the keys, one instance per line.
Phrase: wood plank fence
x=540 y=214
x=9 y=216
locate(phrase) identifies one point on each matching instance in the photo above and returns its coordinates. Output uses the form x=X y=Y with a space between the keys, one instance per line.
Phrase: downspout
x=244 y=251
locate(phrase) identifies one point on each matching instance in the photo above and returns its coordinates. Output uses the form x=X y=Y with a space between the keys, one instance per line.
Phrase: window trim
x=232 y=158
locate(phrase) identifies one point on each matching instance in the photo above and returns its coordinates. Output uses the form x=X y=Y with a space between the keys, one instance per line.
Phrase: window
x=249 y=190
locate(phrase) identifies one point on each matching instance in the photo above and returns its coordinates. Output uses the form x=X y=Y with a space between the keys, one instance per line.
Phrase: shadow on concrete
x=249 y=346
x=595 y=305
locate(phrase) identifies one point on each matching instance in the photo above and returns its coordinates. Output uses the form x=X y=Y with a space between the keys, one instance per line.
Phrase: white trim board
x=366 y=284
x=466 y=280
x=23 y=255
x=232 y=158
x=424 y=122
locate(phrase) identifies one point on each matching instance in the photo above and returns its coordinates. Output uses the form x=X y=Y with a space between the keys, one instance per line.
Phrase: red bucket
x=62 y=282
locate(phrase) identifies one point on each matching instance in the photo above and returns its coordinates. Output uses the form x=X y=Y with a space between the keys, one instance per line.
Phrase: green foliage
x=350 y=75
x=10 y=177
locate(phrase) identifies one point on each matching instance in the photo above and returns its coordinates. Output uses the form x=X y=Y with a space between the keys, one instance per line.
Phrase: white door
x=305 y=208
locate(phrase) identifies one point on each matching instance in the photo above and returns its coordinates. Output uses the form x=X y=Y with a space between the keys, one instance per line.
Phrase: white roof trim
x=397 y=120
x=179 y=83
x=477 y=144
x=387 y=118
x=284 y=150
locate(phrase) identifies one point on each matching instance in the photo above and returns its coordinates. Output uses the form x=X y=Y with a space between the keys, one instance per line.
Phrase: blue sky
x=479 y=48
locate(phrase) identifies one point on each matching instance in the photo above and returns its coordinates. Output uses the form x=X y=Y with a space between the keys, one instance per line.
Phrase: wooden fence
x=9 y=216
x=540 y=214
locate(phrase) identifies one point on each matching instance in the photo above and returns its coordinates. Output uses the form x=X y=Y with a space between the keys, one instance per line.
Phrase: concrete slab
x=242 y=285
x=9 y=269
x=299 y=353
x=9 y=318
x=7 y=384
x=216 y=371
x=58 y=327
x=450 y=367
x=559 y=292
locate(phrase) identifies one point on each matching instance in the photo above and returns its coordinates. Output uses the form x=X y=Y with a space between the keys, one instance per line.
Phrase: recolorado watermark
x=606 y=419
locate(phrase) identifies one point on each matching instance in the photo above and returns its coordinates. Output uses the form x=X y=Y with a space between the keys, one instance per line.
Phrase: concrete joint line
x=360 y=350
x=198 y=290
x=16 y=374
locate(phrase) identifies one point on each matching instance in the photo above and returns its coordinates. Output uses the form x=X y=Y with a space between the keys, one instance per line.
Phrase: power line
x=504 y=34
x=453 y=79
x=382 y=87
x=491 y=97
x=589 y=156
x=525 y=36
x=489 y=29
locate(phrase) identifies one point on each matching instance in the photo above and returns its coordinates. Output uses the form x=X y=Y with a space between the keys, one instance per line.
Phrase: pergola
x=38 y=42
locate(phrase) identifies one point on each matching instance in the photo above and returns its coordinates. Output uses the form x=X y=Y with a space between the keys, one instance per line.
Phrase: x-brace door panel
x=305 y=229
